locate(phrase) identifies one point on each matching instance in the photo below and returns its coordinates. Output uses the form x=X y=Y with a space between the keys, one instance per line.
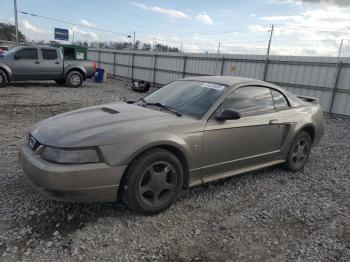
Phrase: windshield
x=192 y=98
x=10 y=51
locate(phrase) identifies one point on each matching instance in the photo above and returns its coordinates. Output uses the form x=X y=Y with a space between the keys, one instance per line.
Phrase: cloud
x=28 y=27
x=83 y=35
x=296 y=3
x=311 y=32
x=165 y=11
x=300 y=2
x=6 y=19
x=258 y=28
x=84 y=22
x=283 y=18
x=204 y=18
x=332 y=2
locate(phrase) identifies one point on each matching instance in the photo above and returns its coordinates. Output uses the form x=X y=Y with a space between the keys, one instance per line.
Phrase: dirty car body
x=245 y=125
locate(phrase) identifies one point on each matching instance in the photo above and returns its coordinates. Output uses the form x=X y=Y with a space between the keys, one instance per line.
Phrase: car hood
x=99 y=125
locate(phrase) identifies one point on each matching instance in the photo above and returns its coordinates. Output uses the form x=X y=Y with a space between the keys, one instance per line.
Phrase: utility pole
x=338 y=66
x=341 y=47
x=219 y=48
x=16 y=20
x=269 y=46
x=134 y=41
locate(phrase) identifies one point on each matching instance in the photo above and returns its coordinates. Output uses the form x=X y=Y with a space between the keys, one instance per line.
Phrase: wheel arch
x=179 y=153
x=7 y=72
x=80 y=70
x=310 y=130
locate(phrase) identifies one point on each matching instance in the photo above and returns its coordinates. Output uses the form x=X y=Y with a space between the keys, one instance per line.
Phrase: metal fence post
x=335 y=85
x=132 y=67
x=184 y=67
x=154 y=69
x=222 y=66
x=114 y=54
x=265 y=69
x=98 y=57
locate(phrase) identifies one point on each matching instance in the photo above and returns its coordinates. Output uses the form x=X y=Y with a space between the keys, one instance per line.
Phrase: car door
x=52 y=67
x=26 y=64
x=254 y=139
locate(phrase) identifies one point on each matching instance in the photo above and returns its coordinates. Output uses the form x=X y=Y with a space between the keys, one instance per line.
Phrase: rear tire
x=74 y=79
x=3 y=79
x=153 y=182
x=299 y=152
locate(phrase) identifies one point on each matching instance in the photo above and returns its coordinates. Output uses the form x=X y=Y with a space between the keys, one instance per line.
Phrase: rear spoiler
x=309 y=99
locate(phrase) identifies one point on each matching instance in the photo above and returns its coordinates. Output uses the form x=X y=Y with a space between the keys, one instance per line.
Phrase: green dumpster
x=74 y=52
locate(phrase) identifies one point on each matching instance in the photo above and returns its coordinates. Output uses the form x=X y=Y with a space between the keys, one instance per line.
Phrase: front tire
x=299 y=152
x=153 y=182
x=74 y=79
x=3 y=79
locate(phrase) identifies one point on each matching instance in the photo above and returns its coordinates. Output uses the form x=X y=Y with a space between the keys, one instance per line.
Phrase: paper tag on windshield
x=213 y=86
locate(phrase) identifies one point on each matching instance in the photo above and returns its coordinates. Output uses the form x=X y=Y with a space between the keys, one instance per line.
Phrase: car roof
x=226 y=80
x=234 y=82
x=37 y=46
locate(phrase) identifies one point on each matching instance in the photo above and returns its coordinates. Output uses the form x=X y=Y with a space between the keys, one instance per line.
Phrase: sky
x=301 y=27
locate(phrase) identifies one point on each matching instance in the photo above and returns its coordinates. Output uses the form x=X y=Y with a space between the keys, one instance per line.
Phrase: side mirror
x=228 y=114
x=130 y=102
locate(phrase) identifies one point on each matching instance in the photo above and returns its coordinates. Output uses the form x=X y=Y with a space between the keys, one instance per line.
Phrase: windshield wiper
x=162 y=106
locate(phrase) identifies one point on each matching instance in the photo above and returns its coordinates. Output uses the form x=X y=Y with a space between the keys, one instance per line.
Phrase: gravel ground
x=269 y=215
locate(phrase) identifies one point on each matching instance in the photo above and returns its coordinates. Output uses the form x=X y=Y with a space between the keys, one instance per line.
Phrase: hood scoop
x=109 y=110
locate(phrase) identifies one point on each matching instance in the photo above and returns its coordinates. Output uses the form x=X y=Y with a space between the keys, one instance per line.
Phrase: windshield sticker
x=213 y=86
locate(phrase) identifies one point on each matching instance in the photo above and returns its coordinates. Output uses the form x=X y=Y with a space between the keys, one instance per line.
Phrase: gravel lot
x=269 y=215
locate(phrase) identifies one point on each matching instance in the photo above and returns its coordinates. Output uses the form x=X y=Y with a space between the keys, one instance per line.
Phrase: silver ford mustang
x=189 y=132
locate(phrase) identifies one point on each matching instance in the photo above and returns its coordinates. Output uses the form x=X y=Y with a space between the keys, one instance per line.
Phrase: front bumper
x=73 y=183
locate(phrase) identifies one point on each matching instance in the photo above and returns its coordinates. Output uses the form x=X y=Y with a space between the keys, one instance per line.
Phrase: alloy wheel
x=158 y=184
x=301 y=152
x=75 y=79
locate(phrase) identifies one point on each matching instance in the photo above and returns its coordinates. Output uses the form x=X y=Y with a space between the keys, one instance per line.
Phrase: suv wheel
x=299 y=152
x=74 y=79
x=153 y=182
x=3 y=79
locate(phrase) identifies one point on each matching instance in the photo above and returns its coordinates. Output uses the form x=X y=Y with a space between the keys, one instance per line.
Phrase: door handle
x=57 y=63
x=37 y=62
x=274 y=122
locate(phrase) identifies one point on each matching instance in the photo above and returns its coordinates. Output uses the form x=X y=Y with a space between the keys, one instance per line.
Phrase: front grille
x=33 y=143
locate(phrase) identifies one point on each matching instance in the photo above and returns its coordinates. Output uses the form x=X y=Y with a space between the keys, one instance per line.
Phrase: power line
x=105 y=17
x=71 y=23
x=238 y=29
x=85 y=26
x=16 y=20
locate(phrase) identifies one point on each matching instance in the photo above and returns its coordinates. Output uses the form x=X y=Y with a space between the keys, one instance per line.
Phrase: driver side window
x=250 y=100
x=27 y=54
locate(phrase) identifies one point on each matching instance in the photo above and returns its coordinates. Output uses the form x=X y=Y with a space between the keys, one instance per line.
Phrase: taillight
x=94 y=66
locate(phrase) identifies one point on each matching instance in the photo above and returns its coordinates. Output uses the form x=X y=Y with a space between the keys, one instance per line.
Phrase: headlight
x=71 y=156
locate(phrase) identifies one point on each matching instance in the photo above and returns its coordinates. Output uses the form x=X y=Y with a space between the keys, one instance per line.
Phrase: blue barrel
x=99 y=75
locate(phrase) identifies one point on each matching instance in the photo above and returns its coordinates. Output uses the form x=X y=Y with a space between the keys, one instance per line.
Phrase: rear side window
x=250 y=100
x=49 y=54
x=279 y=100
x=27 y=54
